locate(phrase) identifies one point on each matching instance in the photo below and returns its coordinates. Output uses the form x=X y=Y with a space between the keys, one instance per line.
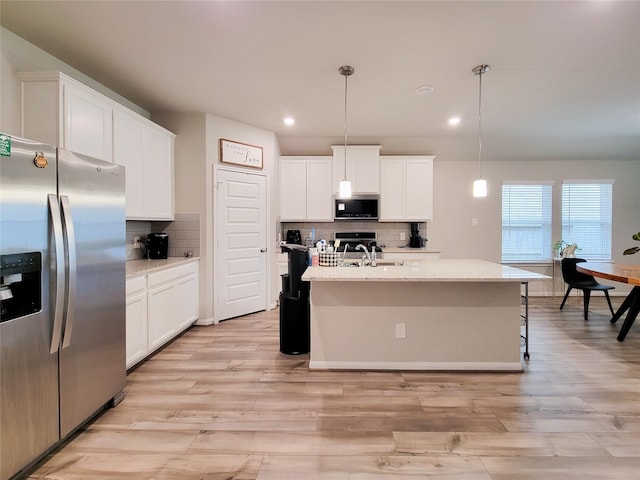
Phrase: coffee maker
x=415 y=240
x=157 y=246
x=294 y=237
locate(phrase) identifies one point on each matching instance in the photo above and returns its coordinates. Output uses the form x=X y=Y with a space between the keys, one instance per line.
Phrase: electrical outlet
x=474 y=222
x=403 y=236
x=401 y=330
x=136 y=242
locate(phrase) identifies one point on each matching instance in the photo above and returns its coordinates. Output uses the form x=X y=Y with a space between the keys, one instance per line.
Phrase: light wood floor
x=221 y=402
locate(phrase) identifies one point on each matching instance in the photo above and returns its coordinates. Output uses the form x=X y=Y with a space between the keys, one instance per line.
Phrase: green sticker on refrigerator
x=5 y=145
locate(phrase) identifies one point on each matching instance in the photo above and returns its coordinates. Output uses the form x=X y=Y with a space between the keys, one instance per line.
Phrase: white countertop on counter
x=142 y=267
x=408 y=250
x=447 y=270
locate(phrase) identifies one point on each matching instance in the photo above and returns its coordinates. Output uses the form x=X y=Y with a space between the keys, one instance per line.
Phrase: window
x=526 y=222
x=586 y=217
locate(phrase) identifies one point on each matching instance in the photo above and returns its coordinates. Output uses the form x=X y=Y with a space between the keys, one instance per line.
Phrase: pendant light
x=345 y=185
x=480 y=185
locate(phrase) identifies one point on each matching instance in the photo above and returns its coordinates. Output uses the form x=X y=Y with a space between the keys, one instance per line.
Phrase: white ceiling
x=564 y=80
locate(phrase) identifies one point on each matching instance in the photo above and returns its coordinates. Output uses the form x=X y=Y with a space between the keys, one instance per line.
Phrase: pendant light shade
x=345 y=185
x=345 y=189
x=480 y=185
x=480 y=188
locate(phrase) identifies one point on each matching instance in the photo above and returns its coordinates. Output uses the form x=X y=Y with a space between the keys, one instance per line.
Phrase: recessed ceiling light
x=424 y=90
x=453 y=121
x=289 y=121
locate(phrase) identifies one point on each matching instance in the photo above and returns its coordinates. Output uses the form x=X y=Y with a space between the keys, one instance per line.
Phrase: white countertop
x=446 y=270
x=408 y=250
x=142 y=267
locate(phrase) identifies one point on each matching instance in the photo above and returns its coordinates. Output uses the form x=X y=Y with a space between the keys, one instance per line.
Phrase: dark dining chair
x=581 y=281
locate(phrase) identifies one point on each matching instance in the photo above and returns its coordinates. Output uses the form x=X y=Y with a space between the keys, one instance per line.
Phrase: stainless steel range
x=350 y=239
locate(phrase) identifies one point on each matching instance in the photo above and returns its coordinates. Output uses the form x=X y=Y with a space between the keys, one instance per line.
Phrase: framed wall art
x=242 y=154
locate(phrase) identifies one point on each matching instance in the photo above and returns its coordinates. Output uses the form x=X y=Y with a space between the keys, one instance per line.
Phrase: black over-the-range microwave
x=364 y=207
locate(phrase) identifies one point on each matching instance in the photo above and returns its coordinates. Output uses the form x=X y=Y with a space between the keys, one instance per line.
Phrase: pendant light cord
x=345 y=126
x=346 y=71
x=480 y=125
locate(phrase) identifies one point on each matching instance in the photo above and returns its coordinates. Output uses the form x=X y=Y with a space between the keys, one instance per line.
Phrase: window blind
x=526 y=222
x=586 y=217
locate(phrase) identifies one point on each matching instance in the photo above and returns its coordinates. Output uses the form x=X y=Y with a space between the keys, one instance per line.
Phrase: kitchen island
x=432 y=315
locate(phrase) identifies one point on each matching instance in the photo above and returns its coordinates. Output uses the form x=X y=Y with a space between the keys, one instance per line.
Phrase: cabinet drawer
x=171 y=274
x=136 y=285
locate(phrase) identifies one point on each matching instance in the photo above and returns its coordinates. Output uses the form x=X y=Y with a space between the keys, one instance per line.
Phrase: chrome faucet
x=366 y=254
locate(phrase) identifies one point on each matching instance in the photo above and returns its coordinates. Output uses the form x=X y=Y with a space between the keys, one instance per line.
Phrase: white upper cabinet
x=62 y=112
x=65 y=113
x=406 y=188
x=87 y=122
x=146 y=151
x=305 y=188
x=363 y=168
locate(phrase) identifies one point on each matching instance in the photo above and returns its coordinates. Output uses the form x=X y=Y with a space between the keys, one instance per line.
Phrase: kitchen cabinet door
x=146 y=150
x=162 y=322
x=88 y=122
x=392 y=189
x=419 y=188
x=406 y=188
x=136 y=315
x=305 y=188
x=187 y=301
x=363 y=168
x=60 y=111
x=319 y=198
x=158 y=173
x=128 y=135
x=293 y=189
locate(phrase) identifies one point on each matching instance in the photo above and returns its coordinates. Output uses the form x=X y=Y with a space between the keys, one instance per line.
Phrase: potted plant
x=565 y=249
x=632 y=250
x=558 y=246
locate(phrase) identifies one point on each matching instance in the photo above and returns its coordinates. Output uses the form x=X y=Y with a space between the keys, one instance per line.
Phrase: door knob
x=262 y=250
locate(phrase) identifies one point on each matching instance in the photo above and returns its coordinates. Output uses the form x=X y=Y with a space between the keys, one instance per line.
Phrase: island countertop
x=436 y=270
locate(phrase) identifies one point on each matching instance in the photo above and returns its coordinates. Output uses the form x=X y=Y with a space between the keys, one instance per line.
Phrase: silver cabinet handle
x=263 y=250
x=72 y=265
x=58 y=244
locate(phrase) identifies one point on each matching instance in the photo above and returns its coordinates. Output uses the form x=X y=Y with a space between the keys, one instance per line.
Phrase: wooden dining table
x=629 y=274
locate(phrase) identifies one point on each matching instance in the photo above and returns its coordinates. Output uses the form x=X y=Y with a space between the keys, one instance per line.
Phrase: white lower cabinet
x=136 y=314
x=167 y=306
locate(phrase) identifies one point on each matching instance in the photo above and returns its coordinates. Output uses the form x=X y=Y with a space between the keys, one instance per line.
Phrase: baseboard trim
x=431 y=366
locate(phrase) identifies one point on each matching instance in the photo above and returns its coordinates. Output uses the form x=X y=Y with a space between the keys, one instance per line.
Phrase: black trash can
x=295 y=336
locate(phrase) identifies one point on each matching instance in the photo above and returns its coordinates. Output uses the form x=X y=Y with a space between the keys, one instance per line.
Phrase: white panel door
x=240 y=258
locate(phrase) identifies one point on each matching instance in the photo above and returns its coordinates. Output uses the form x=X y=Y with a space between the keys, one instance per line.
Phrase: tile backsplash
x=389 y=234
x=183 y=231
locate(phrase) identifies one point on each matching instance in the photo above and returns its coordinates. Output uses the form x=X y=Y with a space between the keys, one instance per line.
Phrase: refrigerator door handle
x=71 y=261
x=56 y=222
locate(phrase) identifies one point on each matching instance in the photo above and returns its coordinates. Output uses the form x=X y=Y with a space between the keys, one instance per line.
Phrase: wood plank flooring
x=222 y=402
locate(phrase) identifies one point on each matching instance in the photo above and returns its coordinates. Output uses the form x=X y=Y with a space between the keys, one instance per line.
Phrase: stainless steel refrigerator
x=62 y=295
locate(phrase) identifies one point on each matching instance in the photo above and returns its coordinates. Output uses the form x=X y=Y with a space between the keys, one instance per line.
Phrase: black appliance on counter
x=157 y=246
x=294 y=237
x=415 y=240
x=295 y=336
